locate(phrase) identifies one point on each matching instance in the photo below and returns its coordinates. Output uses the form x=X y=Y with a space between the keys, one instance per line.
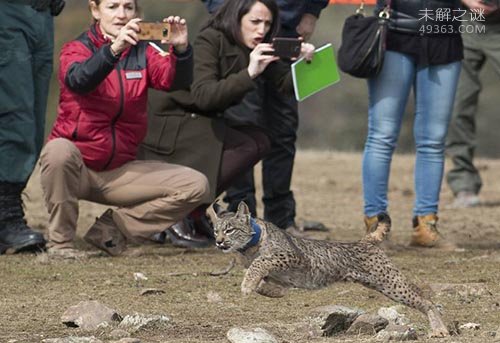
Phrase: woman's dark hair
x=228 y=19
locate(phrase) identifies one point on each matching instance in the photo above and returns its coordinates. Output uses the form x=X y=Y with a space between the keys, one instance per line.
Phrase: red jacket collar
x=97 y=37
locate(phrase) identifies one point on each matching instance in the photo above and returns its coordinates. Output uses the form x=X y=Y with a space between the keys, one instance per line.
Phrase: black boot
x=15 y=234
x=185 y=234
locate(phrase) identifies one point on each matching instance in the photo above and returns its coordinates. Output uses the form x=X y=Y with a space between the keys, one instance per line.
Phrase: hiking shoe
x=370 y=224
x=464 y=199
x=425 y=233
x=105 y=235
x=378 y=231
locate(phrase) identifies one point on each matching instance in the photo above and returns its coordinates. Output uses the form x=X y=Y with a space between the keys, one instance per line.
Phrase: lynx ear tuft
x=243 y=209
x=212 y=211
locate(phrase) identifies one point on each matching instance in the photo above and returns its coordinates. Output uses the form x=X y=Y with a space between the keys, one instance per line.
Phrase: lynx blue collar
x=255 y=236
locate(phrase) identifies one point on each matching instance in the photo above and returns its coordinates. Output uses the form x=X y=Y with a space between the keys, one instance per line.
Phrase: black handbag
x=361 y=53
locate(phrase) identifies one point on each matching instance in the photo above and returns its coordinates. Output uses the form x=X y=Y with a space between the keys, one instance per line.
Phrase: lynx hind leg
x=381 y=231
x=271 y=289
x=378 y=272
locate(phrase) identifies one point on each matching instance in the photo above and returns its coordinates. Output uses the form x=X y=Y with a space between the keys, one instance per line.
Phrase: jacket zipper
x=115 y=119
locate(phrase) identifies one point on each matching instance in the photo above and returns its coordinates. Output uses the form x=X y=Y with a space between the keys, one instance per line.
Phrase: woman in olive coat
x=192 y=127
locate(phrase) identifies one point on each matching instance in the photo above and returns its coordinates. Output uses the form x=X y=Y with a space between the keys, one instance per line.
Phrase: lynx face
x=233 y=232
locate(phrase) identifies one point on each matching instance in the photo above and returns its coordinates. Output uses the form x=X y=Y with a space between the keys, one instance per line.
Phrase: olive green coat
x=187 y=126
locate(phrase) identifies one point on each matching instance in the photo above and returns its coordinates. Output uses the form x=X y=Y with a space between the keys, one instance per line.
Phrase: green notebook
x=310 y=78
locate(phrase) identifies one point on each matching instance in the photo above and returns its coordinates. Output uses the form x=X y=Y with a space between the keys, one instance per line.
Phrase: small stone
x=139 y=321
x=330 y=320
x=367 y=324
x=397 y=333
x=256 y=335
x=392 y=315
x=470 y=326
x=88 y=315
x=140 y=277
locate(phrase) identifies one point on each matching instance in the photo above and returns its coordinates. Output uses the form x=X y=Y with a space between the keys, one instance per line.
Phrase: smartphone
x=154 y=31
x=286 y=47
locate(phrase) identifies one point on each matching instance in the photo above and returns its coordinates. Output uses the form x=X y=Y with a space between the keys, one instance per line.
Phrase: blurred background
x=334 y=119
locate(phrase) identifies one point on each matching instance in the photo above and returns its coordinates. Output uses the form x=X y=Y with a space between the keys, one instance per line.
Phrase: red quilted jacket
x=102 y=105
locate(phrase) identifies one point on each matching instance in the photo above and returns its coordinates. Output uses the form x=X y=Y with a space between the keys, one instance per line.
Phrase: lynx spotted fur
x=277 y=261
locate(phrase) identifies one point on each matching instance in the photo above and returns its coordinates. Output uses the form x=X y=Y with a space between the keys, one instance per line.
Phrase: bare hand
x=178 y=33
x=307 y=51
x=126 y=37
x=306 y=27
x=478 y=5
x=259 y=61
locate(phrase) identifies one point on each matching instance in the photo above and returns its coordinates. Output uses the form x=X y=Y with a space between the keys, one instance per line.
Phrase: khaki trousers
x=150 y=195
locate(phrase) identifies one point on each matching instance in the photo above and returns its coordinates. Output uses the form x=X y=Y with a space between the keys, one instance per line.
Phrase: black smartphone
x=285 y=47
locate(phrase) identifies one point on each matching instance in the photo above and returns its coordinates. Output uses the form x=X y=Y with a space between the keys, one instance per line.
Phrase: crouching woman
x=91 y=152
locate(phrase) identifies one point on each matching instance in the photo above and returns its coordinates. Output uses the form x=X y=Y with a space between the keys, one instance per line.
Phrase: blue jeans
x=434 y=89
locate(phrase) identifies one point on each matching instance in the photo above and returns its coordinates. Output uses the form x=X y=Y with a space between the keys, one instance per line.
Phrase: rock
x=88 y=315
x=139 y=321
x=72 y=339
x=332 y=319
x=256 y=335
x=393 y=316
x=367 y=324
x=470 y=326
x=140 y=277
x=397 y=333
x=151 y=291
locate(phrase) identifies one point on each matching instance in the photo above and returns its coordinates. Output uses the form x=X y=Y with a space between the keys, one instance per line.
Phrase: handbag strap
x=385 y=13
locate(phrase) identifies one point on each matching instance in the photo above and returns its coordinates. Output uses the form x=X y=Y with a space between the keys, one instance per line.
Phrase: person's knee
x=58 y=154
x=264 y=145
x=199 y=189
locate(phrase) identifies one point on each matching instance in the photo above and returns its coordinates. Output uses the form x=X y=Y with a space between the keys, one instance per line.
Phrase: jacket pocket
x=163 y=130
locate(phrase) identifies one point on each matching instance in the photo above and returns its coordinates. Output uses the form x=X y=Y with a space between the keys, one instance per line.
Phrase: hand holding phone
x=285 y=47
x=154 y=31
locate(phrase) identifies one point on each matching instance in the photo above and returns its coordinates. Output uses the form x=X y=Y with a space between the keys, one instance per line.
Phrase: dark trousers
x=462 y=141
x=243 y=148
x=26 y=44
x=281 y=113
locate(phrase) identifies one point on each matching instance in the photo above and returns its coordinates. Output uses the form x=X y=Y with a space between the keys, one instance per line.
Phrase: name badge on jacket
x=132 y=75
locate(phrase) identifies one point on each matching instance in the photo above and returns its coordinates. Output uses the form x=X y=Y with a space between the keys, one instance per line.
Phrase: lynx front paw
x=246 y=291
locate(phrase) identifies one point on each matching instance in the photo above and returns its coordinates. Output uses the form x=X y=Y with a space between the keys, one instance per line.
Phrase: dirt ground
x=35 y=290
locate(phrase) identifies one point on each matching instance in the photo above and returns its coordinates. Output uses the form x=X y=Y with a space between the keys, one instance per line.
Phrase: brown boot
x=370 y=224
x=425 y=233
x=378 y=228
x=105 y=235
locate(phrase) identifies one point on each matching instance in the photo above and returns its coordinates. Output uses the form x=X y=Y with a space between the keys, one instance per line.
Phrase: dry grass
x=35 y=291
